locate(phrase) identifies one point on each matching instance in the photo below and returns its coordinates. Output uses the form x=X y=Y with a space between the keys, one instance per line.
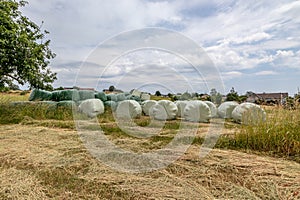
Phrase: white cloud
x=238 y=35
x=265 y=73
x=231 y=75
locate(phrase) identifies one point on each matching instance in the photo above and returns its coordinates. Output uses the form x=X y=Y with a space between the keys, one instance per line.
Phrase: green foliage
x=111 y=88
x=157 y=93
x=232 y=96
x=24 y=52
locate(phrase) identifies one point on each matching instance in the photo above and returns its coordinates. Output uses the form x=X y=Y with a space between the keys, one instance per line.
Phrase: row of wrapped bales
x=61 y=95
x=244 y=113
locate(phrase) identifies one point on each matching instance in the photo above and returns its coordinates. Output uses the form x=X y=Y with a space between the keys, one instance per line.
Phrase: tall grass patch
x=278 y=136
x=10 y=113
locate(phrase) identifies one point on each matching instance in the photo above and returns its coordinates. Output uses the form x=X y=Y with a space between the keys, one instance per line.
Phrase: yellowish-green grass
x=157 y=98
x=7 y=97
x=278 y=136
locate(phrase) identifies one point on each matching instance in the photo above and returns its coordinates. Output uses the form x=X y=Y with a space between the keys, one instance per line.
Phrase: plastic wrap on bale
x=129 y=109
x=213 y=108
x=226 y=108
x=197 y=111
x=91 y=107
x=164 y=110
x=248 y=114
x=147 y=105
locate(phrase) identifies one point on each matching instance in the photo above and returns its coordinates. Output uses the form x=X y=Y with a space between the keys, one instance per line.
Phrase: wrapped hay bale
x=180 y=106
x=91 y=107
x=121 y=97
x=164 y=110
x=65 y=95
x=101 y=95
x=145 y=96
x=129 y=109
x=136 y=98
x=86 y=94
x=112 y=97
x=197 y=111
x=112 y=104
x=40 y=95
x=127 y=93
x=147 y=105
x=66 y=104
x=213 y=109
x=248 y=114
x=226 y=108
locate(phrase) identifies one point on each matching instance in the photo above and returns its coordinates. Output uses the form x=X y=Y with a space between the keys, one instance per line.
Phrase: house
x=267 y=98
x=116 y=91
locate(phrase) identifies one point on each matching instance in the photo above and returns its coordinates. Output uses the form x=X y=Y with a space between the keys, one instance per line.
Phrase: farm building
x=267 y=98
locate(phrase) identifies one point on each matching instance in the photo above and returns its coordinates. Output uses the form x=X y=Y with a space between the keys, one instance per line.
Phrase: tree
x=157 y=93
x=24 y=52
x=232 y=95
x=111 y=88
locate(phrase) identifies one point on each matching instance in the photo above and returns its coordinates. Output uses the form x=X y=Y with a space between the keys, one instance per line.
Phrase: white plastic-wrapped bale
x=248 y=114
x=226 y=108
x=40 y=95
x=129 y=109
x=145 y=96
x=147 y=105
x=180 y=106
x=164 y=110
x=91 y=107
x=213 y=109
x=112 y=104
x=197 y=111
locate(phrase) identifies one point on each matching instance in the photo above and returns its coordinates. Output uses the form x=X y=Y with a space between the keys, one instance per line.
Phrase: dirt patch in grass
x=52 y=163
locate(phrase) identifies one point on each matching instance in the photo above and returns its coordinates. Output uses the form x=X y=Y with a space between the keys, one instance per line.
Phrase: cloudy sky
x=253 y=45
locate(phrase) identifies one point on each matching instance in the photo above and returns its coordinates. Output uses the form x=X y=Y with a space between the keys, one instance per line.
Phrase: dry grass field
x=43 y=158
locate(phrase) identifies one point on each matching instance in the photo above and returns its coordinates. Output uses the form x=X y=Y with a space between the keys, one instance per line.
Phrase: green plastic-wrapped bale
x=112 y=97
x=136 y=98
x=65 y=95
x=86 y=94
x=112 y=104
x=40 y=95
x=101 y=95
x=121 y=97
